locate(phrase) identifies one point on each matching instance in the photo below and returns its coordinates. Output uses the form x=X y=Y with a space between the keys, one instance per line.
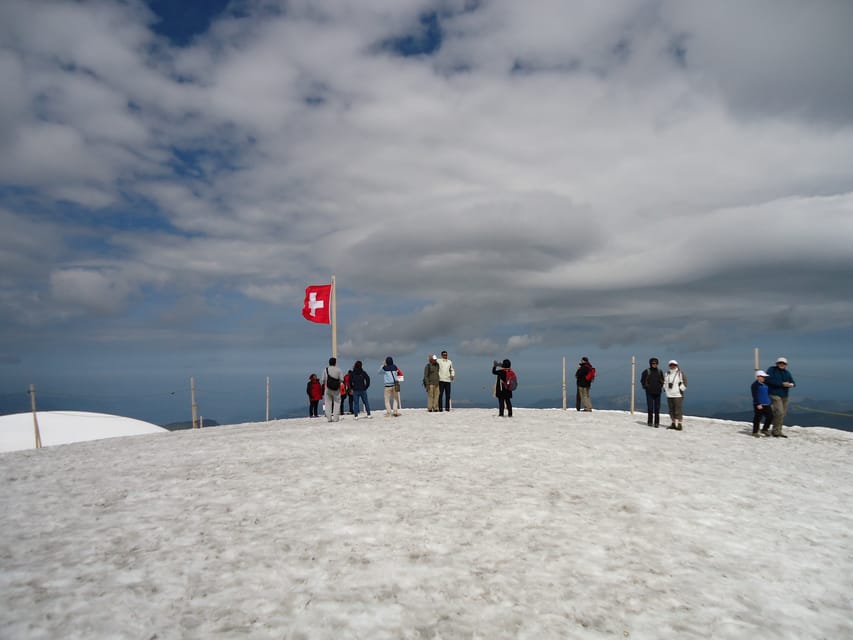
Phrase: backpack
x=332 y=383
x=511 y=382
x=590 y=375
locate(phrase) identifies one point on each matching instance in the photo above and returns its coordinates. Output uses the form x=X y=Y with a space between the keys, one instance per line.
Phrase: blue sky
x=498 y=179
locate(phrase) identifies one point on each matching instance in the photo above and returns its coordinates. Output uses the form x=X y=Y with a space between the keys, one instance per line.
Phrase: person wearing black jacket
x=502 y=392
x=584 y=383
x=359 y=383
x=652 y=382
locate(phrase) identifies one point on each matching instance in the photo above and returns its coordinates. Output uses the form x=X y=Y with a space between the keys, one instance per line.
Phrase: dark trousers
x=765 y=412
x=349 y=400
x=504 y=403
x=312 y=408
x=653 y=407
x=444 y=392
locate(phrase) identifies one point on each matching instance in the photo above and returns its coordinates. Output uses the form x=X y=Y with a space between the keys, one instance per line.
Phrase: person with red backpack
x=503 y=386
x=585 y=375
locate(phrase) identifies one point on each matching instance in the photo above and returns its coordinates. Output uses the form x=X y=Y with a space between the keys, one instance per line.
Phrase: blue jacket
x=775 y=378
x=760 y=393
x=389 y=372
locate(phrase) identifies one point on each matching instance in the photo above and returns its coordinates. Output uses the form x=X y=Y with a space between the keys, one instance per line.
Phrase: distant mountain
x=188 y=424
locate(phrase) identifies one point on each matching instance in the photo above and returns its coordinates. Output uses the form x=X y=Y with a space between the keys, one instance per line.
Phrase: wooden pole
x=334 y=318
x=757 y=366
x=268 y=398
x=194 y=405
x=564 y=383
x=633 y=381
x=36 y=430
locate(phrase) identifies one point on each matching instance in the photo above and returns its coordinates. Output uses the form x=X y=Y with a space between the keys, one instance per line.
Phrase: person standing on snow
x=359 y=382
x=392 y=387
x=584 y=379
x=315 y=393
x=502 y=391
x=446 y=375
x=761 y=404
x=675 y=384
x=780 y=381
x=431 y=381
x=652 y=383
x=332 y=382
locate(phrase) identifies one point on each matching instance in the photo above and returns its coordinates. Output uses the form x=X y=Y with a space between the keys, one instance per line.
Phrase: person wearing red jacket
x=348 y=391
x=315 y=393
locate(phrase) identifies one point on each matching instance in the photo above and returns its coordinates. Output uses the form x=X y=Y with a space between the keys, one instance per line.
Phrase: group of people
x=438 y=374
x=770 y=399
x=673 y=384
x=769 y=391
x=334 y=387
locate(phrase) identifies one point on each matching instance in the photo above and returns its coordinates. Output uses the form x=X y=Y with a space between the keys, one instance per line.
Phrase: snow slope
x=454 y=525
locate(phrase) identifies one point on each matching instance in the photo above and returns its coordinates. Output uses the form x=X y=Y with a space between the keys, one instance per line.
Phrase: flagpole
x=334 y=320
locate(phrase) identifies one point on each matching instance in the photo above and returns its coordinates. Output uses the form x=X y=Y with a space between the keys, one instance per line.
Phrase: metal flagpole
x=334 y=319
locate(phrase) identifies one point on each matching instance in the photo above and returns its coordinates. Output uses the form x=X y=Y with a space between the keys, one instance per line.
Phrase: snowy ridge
x=64 y=427
x=460 y=525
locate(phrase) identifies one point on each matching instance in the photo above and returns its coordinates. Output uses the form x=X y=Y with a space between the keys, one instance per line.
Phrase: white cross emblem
x=314 y=304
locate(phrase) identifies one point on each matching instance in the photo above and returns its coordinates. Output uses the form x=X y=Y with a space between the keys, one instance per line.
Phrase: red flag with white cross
x=318 y=302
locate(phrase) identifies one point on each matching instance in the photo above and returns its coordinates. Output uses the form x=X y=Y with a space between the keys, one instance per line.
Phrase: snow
x=62 y=427
x=551 y=524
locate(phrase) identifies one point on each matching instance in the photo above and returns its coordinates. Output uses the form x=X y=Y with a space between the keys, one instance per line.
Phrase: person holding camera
x=675 y=384
x=584 y=376
x=503 y=392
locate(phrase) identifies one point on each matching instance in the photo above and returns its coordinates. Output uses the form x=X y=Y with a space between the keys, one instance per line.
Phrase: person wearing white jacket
x=674 y=385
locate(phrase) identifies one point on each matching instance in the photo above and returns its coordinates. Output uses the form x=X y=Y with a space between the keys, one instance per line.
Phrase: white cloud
x=537 y=159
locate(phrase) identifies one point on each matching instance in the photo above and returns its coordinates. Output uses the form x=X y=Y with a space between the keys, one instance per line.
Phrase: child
x=315 y=392
x=761 y=404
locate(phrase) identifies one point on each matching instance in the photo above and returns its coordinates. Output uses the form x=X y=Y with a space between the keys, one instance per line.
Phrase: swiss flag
x=318 y=303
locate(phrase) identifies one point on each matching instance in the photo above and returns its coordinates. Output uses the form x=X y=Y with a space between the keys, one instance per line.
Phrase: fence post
x=633 y=381
x=564 y=383
x=32 y=393
x=268 y=398
x=757 y=366
x=194 y=405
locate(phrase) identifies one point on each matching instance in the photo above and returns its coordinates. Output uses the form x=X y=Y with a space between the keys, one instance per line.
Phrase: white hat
x=433 y=357
x=673 y=362
x=761 y=373
x=781 y=359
